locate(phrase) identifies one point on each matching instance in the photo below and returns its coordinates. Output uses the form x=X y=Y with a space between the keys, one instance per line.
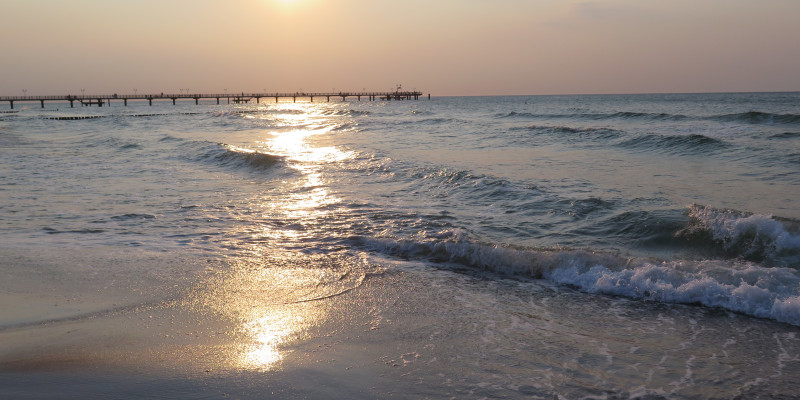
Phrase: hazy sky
x=445 y=47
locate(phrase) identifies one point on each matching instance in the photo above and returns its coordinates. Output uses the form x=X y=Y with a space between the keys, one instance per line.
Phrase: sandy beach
x=356 y=329
x=242 y=330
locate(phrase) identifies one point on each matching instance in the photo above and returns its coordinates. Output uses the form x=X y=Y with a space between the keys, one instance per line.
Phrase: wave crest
x=676 y=144
x=755 y=237
x=251 y=158
x=594 y=133
x=758 y=117
x=625 y=115
x=232 y=156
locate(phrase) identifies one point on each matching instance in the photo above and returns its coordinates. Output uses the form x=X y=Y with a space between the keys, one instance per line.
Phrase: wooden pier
x=100 y=100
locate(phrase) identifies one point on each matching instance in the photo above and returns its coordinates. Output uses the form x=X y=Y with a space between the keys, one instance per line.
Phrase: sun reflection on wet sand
x=275 y=326
x=273 y=299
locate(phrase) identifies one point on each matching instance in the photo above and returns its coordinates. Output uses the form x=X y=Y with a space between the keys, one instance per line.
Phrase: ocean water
x=603 y=246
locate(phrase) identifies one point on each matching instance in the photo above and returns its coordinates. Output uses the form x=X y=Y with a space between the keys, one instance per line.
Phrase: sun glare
x=286 y=3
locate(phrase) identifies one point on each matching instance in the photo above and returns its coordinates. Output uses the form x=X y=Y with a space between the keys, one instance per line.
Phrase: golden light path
x=270 y=293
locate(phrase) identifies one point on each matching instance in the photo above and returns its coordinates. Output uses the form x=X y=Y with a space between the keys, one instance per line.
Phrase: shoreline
x=293 y=325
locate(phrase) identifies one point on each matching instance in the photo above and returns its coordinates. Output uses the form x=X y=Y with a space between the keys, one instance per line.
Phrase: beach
x=571 y=247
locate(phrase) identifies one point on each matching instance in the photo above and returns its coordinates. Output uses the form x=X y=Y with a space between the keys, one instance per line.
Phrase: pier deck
x=243 y=97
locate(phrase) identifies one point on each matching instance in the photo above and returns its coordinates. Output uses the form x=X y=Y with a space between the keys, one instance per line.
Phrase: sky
x=442 y=47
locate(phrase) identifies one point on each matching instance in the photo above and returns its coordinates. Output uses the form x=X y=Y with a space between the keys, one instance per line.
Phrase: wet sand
x=238 y=329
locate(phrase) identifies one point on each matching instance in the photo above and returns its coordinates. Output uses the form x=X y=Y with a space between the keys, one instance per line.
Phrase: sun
x=288 y=7
x=287 y=4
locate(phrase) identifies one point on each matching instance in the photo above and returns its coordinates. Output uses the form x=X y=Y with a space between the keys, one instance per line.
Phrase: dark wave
x=599 y=116
x=237 y=157
x=750 y=117
x=132 y=216
x=446 y=182
x=514 y=114
x=130 y=146
x=54 y=231
x=646 y=116
x=169 y=138
x=786 y=135
x=427 y=122
x=224 y=155
x=683 y=144
x=435 y=121
x=757 y=117
x=597 y=133
x=251 y=159
x=642 y=230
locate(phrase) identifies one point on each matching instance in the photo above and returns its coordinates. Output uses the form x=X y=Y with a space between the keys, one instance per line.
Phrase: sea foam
x=735 y=285
x=749 y=235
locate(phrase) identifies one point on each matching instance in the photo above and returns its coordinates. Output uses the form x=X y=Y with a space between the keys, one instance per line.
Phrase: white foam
x=754 y=232
x=734 y=285
x=709 y=283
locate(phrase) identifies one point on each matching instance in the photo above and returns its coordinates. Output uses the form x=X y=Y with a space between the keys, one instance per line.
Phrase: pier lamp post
x=134 y=91
x=82 y=92
x=25 y=92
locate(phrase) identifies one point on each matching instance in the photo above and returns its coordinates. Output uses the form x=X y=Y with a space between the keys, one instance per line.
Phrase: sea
x=570 y=247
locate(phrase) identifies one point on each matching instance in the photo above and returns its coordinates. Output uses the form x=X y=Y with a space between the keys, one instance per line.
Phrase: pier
x=237 y=98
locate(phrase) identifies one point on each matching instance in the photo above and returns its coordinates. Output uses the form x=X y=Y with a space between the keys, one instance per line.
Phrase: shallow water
x=573 y=246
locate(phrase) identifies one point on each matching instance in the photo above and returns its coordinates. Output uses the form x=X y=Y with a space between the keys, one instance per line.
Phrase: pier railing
x=243 y=97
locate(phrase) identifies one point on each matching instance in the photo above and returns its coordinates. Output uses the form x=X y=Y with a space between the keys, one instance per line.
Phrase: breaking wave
x=737 y=286
x=755 y=237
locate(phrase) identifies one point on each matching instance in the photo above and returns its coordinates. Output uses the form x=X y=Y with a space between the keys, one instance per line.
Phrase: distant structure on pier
x=101 y=100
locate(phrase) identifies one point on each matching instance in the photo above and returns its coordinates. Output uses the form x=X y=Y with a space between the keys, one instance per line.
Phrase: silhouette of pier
x=238 y=98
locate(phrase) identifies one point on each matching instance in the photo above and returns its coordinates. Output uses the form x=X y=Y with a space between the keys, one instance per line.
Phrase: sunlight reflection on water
x=271 y=292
